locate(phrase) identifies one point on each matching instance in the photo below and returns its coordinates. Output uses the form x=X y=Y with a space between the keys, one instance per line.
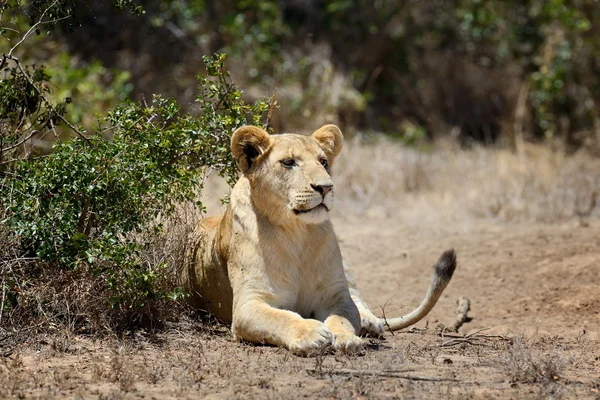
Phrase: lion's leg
x=369 y=323
x=344 y=322
x=258 y=322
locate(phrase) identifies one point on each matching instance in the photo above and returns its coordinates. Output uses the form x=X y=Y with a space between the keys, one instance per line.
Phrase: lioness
x=271 y=265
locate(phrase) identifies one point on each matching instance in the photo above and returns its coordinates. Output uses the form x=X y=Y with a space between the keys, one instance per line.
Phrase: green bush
x=86 y=205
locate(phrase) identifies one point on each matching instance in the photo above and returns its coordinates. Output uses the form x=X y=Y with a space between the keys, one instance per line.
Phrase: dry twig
x=474 y=338
x=463 y=307
x=457 y=341
x=272 y=104
x=386 y=374
x=3 y=298
x=385 y=321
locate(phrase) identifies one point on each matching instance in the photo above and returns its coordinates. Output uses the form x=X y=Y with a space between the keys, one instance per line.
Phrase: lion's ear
x=247 y=144
x=330 y=139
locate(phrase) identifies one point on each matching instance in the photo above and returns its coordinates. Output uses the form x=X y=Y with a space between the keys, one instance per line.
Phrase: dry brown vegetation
x=536 y=184
x=76 y=300
x=526 y=230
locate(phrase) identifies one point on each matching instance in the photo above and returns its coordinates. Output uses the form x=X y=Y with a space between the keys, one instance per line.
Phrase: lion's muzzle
x=319 y=197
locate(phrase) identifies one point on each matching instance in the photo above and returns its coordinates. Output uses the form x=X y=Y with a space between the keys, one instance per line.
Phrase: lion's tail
x=444 y=269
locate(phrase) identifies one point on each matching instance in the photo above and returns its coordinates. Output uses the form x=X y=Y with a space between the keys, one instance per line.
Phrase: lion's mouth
x=311 y=209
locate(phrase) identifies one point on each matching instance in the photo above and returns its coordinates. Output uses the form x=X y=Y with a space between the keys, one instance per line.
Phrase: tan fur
x=271 y=265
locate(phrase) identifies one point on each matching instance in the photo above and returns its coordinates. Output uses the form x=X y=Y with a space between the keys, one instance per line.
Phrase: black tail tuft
x=446 y=265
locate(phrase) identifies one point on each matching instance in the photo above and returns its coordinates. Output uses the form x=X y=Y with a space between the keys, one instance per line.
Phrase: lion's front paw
x=348 y=343
x=311 y=337
x=370 y=324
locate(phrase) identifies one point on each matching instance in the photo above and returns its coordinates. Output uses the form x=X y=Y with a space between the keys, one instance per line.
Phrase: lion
x=271 y=264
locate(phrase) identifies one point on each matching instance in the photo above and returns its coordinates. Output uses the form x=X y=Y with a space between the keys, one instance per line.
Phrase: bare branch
x=41 y=94
x=20 y=142
x=272 y=104
x=9 y=29
x=385 y=321
x=53 y=129
x=9 y=56
x=34 y=27
x=3 y=298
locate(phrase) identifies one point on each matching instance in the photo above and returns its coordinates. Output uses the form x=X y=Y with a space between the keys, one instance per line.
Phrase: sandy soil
x=533 y=287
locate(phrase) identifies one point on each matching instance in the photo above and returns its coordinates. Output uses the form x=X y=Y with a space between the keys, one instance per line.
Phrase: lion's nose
x=323 y=189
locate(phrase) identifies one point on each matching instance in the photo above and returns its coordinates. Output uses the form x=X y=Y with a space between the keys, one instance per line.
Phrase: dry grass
x=170 y=246
x=538 y=185
x=185 y=364
x=35 y=296
x=40 y=297
x=521 y=362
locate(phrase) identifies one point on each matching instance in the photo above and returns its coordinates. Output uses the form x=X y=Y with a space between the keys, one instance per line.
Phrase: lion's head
x=289 y=174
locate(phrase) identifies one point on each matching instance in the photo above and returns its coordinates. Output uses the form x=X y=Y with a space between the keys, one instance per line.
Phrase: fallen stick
x=476 y=332
x=462 y=309
x=385 y=374
x=456 y=341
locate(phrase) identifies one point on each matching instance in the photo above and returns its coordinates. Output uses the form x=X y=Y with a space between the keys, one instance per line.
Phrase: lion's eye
x=324 y=162
x=288 y=162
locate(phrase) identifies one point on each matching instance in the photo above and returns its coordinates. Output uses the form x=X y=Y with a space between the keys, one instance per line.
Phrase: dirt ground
x=534 y=290
x=534 y=333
